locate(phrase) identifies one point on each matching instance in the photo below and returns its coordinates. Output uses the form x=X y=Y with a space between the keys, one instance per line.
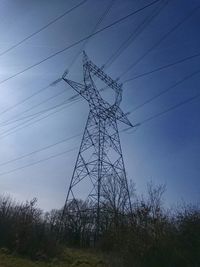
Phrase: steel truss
x=99 y=166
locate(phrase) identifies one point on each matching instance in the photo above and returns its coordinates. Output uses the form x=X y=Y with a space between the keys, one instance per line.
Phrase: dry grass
x=70 y=258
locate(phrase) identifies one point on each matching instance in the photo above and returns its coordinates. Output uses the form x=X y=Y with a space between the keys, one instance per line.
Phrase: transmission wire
x=79 y=41
x=95 y=28
x=27 y=110
x=188 y=100
x=102 y=17
x=39 y=161
x=187 y=77
x=26 y=125
x=163 y=67
x=42 y=28
x=134 y=34
x=159 y=114
x=161 y=40
x=40 y=149
x=56 y=81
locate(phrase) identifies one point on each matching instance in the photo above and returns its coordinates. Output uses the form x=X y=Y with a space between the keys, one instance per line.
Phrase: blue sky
x=164 y=150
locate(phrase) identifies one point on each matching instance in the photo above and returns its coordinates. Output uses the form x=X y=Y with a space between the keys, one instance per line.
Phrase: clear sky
x=164 y=150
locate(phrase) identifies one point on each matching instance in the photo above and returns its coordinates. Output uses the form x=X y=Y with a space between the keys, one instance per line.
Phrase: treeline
x=25 y=231
x=157 y=236
x=149 y=236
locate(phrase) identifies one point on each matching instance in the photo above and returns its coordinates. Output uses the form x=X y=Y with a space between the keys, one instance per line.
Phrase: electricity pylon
x=99 y=168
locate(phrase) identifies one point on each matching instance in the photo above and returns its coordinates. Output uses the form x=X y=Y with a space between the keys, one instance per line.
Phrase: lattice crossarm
x=79 y=88
x=121 y=116
x=104 y=77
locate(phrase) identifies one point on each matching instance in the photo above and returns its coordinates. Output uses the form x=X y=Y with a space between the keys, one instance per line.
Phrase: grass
x=70 y=258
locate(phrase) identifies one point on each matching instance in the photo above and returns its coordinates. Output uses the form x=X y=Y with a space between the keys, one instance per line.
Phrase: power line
x=62 y=153
x=26 y=125
x=102 y=17
x=161 y=40
x=27 y=110
x=25 y=99
x=53 y=83
x=12 y=120
x=32 y=116
x=39 y=112
x=42 y=160
x=132 y=37
x=96 y=26
x=188 y=100
x=41 y=90
x=56 y=81
x=154 y=70
x=135 y=33
x=139 y=106
x=39 y=161
x=163 y=67
x=165 y=91
x=46 y=87
x=40 y=150
x=67 y=151
x=42 y=28
x=79 y=41
x=63 y=106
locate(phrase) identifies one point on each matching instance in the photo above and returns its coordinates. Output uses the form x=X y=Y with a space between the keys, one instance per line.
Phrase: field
x=70 y=258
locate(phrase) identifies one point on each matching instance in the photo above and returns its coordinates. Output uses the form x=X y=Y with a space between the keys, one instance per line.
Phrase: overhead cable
x=79 y=41
x=163 y=67
x=187 y=77
x=165 y=36
x=42 y=28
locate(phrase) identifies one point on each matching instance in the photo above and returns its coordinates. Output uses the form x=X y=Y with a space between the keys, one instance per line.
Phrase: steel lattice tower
x=99 y=165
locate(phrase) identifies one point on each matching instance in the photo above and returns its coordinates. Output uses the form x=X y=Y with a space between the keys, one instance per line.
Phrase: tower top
x=90 y=93
x=98 y=72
